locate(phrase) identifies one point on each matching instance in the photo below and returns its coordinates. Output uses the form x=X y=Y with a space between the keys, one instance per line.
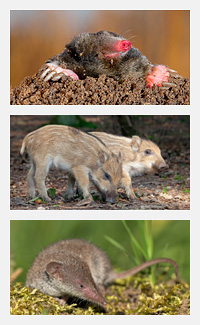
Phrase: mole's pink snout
x=124 y=45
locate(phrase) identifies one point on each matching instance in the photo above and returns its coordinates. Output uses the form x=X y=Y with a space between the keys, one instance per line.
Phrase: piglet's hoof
x=133 y=199
x=87 y=201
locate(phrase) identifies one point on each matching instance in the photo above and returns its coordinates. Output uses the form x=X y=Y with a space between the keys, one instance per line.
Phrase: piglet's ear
x=135 y=143
x=55 y=270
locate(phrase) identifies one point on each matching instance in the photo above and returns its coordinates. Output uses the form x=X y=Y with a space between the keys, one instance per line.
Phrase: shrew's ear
x=55 y=270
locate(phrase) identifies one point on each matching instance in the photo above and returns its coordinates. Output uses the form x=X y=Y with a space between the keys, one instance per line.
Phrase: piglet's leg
x=70 y=189
x=81 y=176
x=126 y=183
x=158 y=76
x=55 y=72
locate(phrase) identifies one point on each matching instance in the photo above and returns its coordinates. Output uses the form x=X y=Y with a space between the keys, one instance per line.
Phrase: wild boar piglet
x=139 y=157
x=83 y=156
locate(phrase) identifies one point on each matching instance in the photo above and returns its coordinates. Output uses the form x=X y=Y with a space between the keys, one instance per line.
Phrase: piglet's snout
x=110 y=199
x=162 y=166
x=111 y=196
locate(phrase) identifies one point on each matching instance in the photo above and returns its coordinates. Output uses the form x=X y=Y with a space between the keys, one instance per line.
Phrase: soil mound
x=99 y=91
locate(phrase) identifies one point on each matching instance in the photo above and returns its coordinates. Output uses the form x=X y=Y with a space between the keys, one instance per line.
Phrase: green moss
x=136 y=295
x=166 y=300
x=25 y=301
x=133 y=295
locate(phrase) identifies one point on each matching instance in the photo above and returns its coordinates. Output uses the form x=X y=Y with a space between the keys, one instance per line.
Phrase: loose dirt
x=99 y=91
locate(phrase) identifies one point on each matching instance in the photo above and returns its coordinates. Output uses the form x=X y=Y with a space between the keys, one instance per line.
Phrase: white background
x=7 y=110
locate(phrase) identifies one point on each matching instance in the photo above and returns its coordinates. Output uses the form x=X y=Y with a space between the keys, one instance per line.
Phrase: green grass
x=185 y=190
x=178 y=177
x=142 y=249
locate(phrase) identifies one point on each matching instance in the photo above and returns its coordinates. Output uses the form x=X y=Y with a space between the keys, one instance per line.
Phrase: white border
x=193 y=110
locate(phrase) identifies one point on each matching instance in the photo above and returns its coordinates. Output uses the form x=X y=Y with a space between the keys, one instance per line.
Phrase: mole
x=77 y=268
x=104 y=53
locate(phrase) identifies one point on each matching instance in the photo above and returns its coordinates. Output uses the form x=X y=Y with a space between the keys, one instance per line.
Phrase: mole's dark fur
x=94 y=54
x=77 y=268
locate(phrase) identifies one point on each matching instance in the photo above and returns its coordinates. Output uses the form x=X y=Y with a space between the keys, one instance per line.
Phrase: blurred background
x=163 y=36
x=171 y=238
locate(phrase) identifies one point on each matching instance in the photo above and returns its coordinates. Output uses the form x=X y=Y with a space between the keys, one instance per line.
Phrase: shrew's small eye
x=81 y=285
x=148 y=152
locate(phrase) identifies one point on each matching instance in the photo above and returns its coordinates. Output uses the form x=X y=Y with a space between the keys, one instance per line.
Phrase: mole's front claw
x=49 y=76
x=55 y=72
x=44 y=73
x=174 y=73
x=57 y=76
x=167 y=85
x=171 y=70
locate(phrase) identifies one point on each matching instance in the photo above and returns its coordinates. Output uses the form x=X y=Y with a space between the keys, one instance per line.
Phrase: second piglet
x=83 y=156
x=139 y=157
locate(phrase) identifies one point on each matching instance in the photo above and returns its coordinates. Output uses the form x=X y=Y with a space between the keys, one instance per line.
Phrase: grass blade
x=119 y=246
x=136 y=247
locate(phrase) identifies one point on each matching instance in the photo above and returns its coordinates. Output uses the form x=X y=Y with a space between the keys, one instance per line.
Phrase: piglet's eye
x=107 y=176
x=148 y=152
